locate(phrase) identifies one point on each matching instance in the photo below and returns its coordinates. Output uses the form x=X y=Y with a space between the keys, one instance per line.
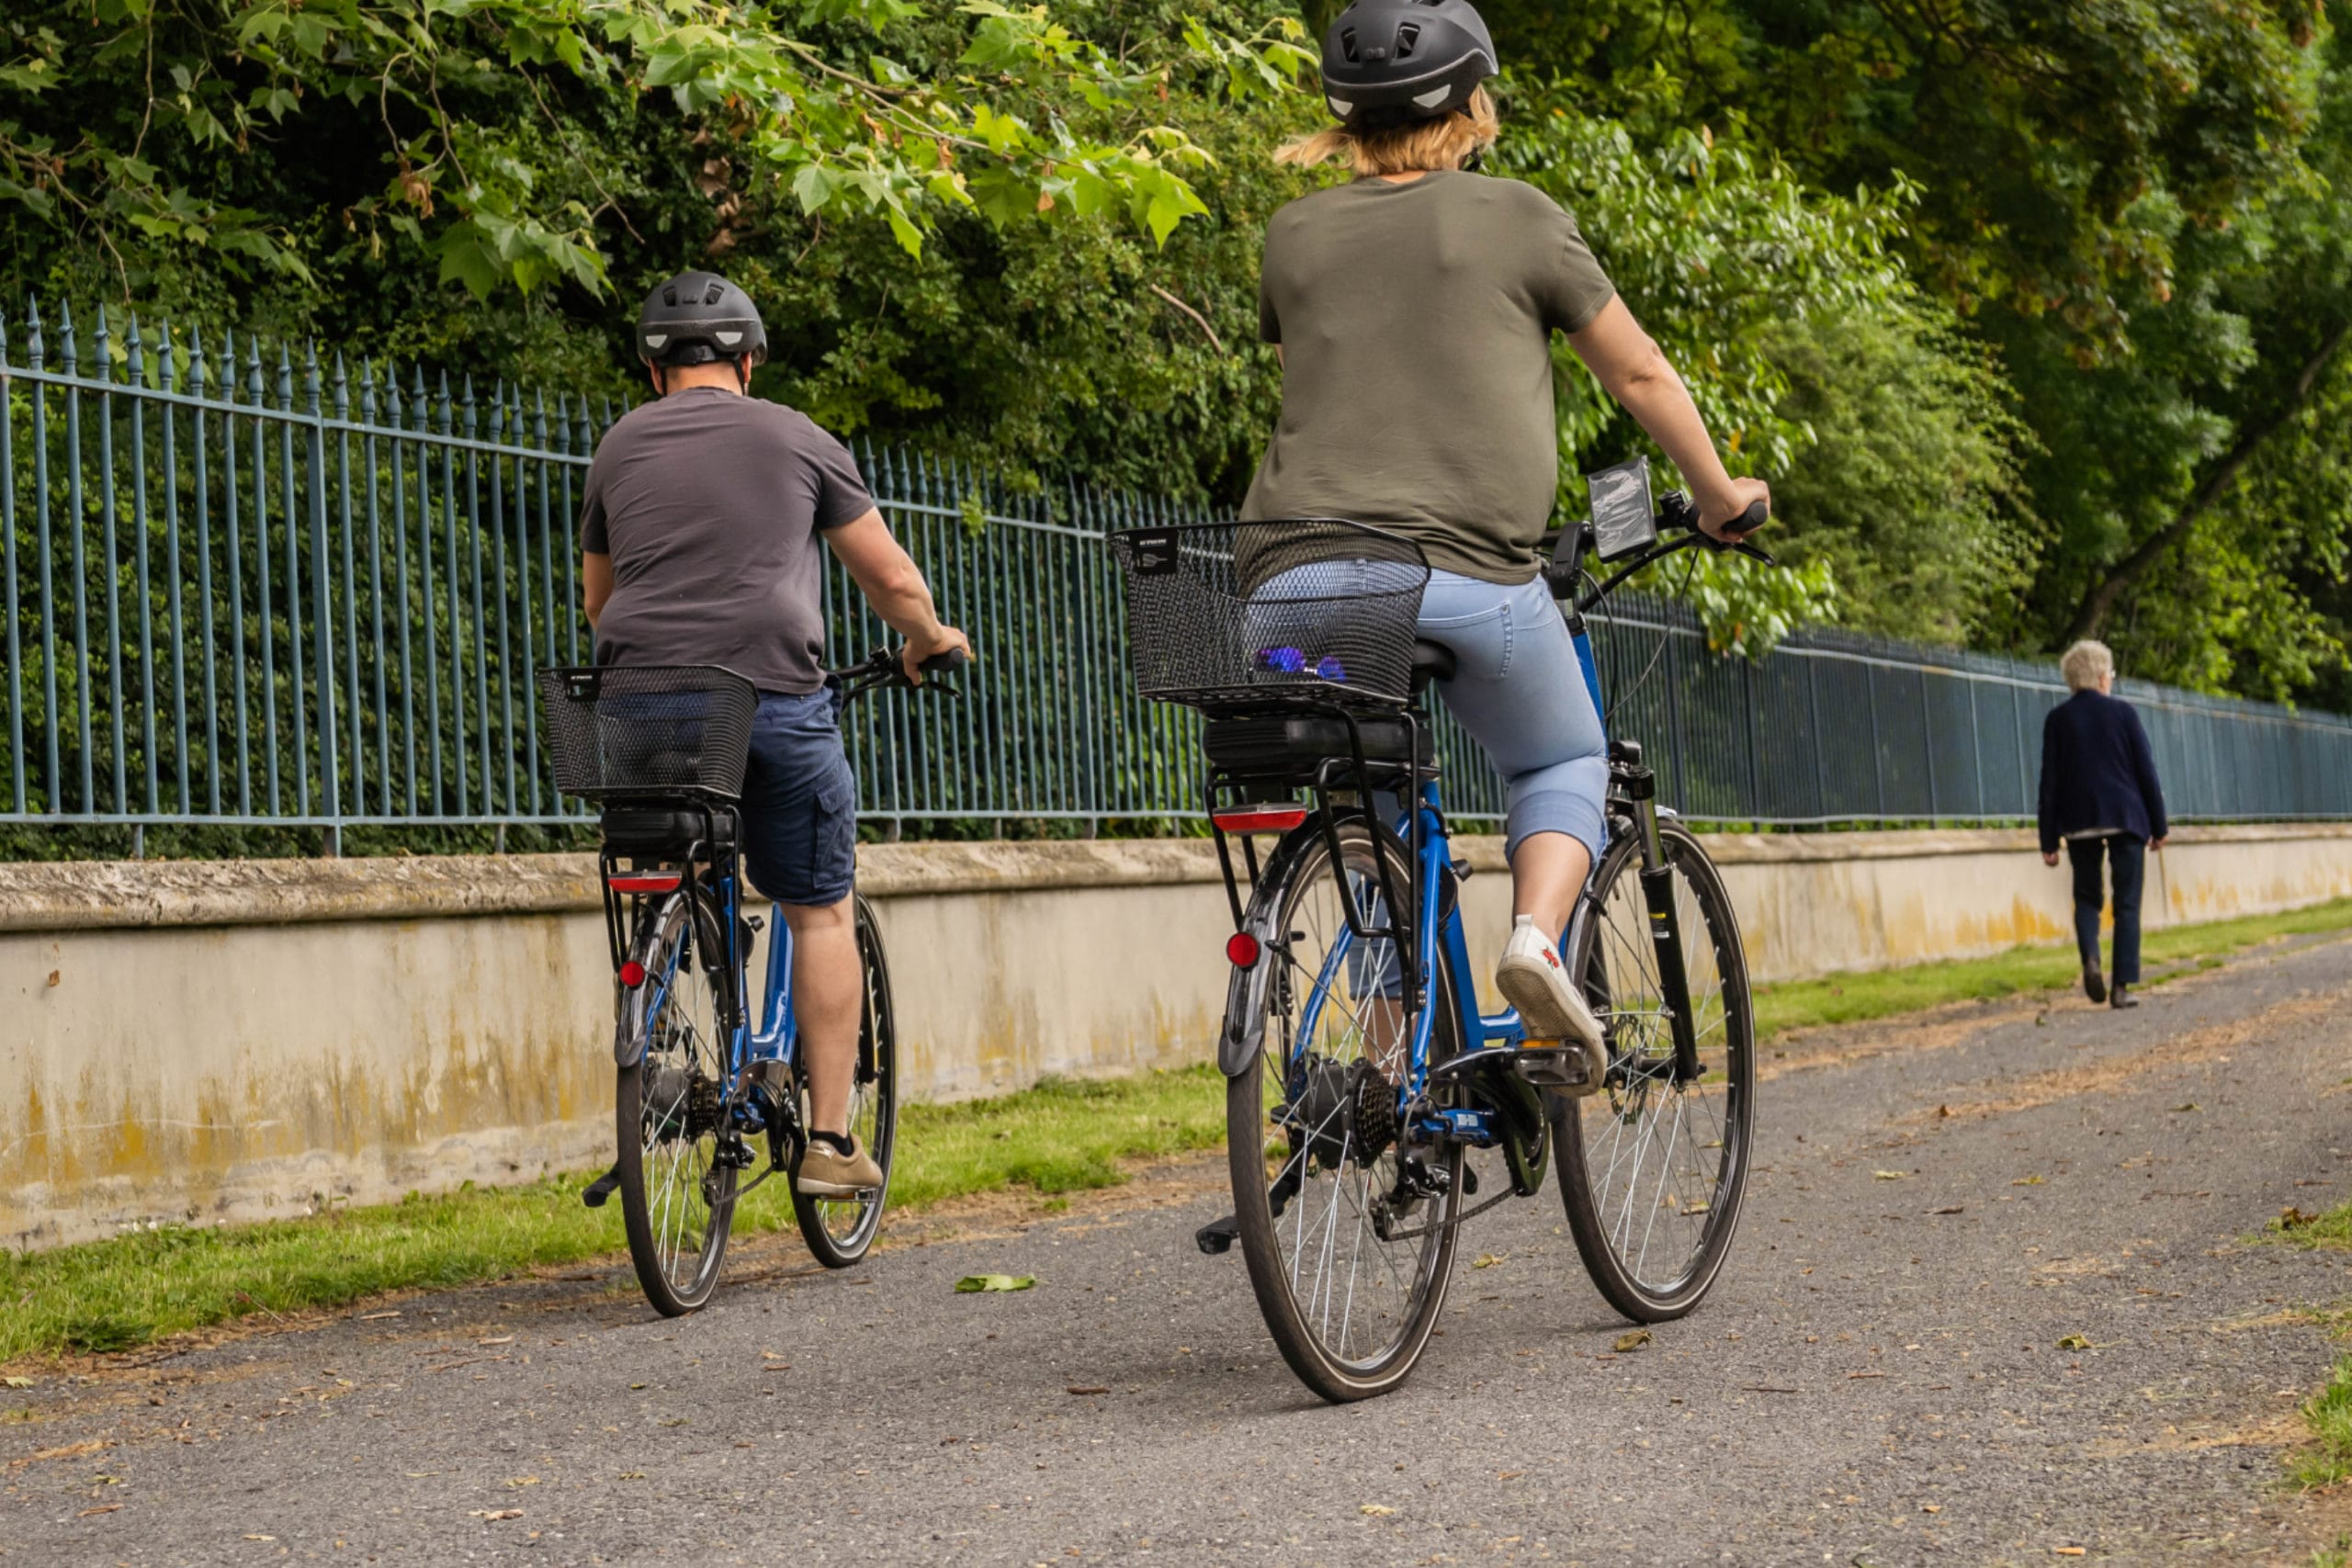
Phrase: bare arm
x=1634 y=371
x=595 y=585
x=893 y=584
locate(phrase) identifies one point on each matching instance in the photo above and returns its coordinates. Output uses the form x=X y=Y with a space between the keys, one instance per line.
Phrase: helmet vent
x=710 y=295
x=670 y=295
x=1348 y=45
x=1407 y=37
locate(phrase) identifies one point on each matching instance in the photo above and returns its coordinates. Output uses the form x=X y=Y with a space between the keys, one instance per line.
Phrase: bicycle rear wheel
x=1347 y=1231
x=677 y=1199
x=1653 y=1171
x=839 y=1230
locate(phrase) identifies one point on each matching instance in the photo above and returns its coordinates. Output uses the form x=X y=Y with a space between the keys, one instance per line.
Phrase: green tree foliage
x=467 y=111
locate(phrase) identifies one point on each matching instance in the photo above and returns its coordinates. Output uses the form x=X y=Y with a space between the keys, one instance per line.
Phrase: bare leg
x=1546 y=877
x=826 y=982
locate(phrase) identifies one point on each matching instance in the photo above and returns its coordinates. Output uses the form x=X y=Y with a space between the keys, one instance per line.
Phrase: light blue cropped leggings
x=1519 y=692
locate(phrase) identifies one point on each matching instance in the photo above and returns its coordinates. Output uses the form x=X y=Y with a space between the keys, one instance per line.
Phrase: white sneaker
x=1533 y=979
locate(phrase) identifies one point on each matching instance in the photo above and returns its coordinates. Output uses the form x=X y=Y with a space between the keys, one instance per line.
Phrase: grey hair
x=2085 y=664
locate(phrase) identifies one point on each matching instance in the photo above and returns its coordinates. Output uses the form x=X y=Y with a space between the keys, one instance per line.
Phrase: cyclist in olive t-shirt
x=1413 y=309
x=699 y=539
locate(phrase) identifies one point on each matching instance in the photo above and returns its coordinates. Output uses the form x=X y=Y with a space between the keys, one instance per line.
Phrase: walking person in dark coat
x=2099 y=792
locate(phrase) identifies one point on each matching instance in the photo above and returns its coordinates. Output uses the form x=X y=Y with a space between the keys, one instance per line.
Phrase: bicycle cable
x=1664 y=632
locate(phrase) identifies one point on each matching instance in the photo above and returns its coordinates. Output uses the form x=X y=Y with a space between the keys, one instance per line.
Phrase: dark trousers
x=2128 y=858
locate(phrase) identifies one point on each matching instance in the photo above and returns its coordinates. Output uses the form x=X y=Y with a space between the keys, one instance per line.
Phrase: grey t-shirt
x=1416 y=323
x=711 y=504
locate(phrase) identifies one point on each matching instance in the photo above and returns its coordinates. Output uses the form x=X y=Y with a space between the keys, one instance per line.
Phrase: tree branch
x=2099 y=602
x=1198 y=320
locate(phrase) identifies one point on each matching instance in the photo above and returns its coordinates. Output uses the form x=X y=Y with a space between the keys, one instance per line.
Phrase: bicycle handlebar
x=1676 y=514
x=883 y=669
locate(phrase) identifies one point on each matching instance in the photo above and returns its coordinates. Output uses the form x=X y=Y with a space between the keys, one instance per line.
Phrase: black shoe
x=2122 y=999
x=2093 y=987
x=601 y=1189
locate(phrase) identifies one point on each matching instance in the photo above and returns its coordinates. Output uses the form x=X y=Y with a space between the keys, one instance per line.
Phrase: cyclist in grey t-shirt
x=1414 y=309
x=699 y=545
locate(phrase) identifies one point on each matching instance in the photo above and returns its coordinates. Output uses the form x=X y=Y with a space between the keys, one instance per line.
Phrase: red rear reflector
x=1260 y=818
x=1243 y=949
x=632 y=973
x=643 y=882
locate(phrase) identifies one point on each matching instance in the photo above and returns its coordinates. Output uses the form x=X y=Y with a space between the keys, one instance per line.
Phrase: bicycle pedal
x=603 y=1188
x=1561 y=1068
x=1217 y=1237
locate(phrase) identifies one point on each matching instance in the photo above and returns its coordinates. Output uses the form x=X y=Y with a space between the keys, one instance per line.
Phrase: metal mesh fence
x=244 y=587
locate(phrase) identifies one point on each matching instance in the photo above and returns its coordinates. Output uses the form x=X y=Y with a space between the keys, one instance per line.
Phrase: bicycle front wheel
x=839 y=1230
x=677 y=1199
x=1654 y=1168
x=1347 y=1226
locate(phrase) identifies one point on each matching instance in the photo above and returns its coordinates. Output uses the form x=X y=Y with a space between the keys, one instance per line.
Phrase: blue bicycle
x=663 y=750
x=1361 y=1070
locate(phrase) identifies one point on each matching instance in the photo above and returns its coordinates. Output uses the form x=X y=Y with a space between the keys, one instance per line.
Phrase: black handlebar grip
x=945 y=663
x=1757 y=513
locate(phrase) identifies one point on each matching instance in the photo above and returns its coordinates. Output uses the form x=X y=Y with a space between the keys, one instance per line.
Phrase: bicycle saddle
x=1432 y=661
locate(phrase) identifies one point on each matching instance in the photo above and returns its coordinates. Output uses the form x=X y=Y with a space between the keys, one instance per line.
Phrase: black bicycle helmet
x=699 y=318
x=1392 y=62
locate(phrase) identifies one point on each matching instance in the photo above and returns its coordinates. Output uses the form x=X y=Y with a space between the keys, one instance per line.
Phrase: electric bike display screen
x=1624 y=521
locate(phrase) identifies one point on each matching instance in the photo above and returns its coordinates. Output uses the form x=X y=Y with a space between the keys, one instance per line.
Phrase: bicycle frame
x=1439 y=922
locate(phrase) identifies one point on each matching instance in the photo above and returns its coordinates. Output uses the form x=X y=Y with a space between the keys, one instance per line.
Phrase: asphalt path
x=1992 y=1300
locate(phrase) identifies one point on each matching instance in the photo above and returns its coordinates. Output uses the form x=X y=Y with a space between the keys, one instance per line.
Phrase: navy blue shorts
x=799 y=802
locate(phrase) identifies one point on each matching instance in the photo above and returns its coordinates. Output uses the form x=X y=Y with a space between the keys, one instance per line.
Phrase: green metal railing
x=244 y=587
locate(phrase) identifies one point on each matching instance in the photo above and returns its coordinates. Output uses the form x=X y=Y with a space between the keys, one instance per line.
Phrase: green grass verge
x=1885 y=993
x=1061 y=1136
x=2327 y=1459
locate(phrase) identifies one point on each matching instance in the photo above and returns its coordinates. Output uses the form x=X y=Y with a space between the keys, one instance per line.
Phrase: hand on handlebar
x=940 y=653
x=1737 y=513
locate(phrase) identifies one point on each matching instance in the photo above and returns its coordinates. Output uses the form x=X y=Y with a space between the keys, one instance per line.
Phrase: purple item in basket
x=1329 y=667
x=1282 y=660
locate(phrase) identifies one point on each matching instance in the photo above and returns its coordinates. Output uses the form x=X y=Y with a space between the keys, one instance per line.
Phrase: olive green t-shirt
x=1416 y=323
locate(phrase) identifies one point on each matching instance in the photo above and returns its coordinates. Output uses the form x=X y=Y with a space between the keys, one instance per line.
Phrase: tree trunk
x=2099 y=602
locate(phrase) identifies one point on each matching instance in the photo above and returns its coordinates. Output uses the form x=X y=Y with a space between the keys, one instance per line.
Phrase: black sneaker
x=2122 y=999
x=2095 y=986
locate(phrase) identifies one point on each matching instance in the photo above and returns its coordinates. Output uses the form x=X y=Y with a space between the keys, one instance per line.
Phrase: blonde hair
x=2085 y=664
x=1446 y=142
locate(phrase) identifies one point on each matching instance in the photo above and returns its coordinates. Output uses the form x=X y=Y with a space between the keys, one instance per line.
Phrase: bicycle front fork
x=1639 y=786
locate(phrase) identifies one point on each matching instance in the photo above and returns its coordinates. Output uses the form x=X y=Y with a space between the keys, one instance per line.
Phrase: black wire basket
x=1231 y=615
x=622 y=732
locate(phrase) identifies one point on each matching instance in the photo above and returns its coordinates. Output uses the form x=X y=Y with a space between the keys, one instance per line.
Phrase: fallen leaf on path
x=1634 y=1340
x=1943 y=1111
x=972 y=1284
x=1932 y=1507
x=13 y=1382
x=519 y=1482
x=1508 y=1474
x=375 y=1316
x=2073 y=1342
x=632 y=1475
x=1950 y=1208
x=1892 y=1175
x=261 y=1538
x=1377 y=1509
x=501 y=1339
x=498 y=1513
x=1852 y=1375
x=101 y=1508
x=2190 y=1105
x=1089 y=1388
x=2291 y=1218
x=2027 y=1181
x=2067 y=1551
x=1488 y=1259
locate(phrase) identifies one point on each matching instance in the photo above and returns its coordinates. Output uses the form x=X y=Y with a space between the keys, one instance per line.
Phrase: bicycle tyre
x=1611 y=947
x=1300 y=896
x=840 y=1230
x=677 y=1201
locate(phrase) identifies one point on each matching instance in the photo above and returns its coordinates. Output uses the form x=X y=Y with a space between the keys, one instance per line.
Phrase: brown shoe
x=825 y=1173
